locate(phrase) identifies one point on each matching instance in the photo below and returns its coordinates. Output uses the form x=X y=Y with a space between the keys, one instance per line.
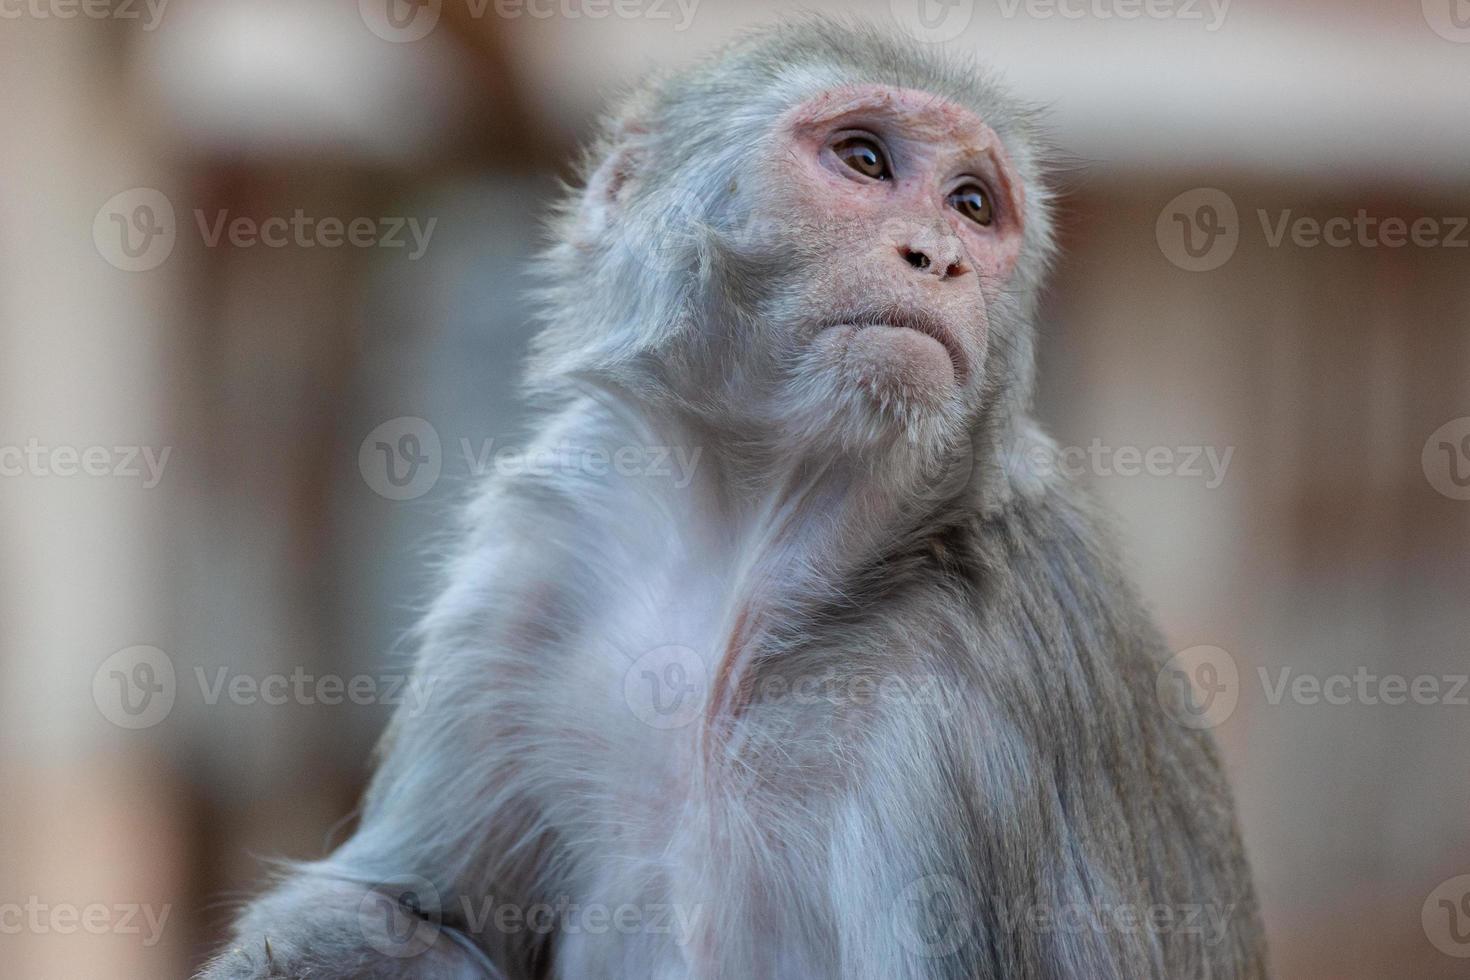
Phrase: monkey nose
x=942 y=261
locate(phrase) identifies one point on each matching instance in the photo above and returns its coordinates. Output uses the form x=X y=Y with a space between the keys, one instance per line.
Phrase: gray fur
x=922 y=836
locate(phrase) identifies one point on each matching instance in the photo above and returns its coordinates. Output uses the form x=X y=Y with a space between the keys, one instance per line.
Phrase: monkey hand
x=327 y=929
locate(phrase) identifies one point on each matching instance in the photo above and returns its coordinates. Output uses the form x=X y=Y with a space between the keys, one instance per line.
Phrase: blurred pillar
x=87 y=813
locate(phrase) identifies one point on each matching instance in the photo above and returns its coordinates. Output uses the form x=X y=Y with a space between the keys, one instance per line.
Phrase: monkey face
x=832 y=263
x=907 y=217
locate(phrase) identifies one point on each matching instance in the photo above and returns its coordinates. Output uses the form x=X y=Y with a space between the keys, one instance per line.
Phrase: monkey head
x=909 y=204
x=820 y=236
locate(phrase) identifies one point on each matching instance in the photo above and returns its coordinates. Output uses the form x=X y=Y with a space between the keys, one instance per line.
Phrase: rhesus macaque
x=863 y=693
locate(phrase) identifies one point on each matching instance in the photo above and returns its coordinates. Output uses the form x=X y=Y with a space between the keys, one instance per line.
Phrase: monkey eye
x=973 y=201
x=863 y=154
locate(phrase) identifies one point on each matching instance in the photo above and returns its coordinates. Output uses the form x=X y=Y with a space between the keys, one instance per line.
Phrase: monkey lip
x=920 y=323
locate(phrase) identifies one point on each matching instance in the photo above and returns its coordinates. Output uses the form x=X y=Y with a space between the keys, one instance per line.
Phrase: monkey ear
x=612 y=182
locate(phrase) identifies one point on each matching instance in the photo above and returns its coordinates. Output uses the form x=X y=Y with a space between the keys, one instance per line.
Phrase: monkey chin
x=905 y=372
x=866 y=386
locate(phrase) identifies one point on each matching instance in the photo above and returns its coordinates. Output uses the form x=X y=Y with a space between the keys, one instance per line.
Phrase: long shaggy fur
x=1021 y=797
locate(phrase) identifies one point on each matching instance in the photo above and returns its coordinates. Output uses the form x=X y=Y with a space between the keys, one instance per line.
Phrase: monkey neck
x=798 y=541
x=752 y=537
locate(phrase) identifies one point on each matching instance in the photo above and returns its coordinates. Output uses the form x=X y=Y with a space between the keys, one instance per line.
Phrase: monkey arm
x=398 y=899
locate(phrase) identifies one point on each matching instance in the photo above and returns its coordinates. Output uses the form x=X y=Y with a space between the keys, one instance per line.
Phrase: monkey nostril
x=920 y=259
x=915 y=258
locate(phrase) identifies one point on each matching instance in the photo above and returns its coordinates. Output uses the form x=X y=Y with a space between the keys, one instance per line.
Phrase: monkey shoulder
x=1043 y=571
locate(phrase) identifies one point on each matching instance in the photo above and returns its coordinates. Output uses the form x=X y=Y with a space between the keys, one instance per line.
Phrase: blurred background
x=244 y=243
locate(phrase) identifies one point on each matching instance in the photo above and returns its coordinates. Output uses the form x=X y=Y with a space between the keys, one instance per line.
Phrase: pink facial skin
x=942 y=141
x=897 y=266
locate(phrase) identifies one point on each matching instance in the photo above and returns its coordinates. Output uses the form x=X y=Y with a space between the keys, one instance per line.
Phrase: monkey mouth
x=919 y=322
